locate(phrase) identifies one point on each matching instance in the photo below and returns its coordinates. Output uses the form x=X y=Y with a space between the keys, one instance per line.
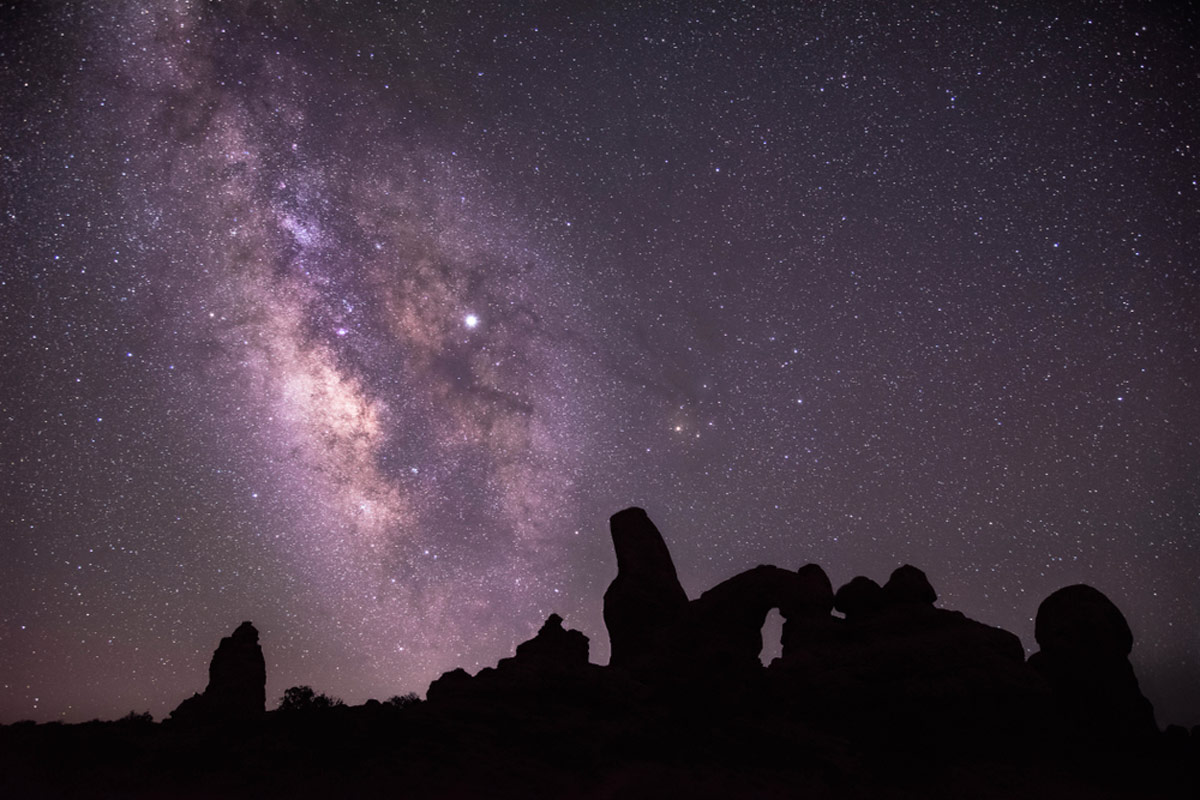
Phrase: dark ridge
x=897 y=698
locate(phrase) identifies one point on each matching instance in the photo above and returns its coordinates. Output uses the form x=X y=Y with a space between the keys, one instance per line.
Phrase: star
x=303 y=253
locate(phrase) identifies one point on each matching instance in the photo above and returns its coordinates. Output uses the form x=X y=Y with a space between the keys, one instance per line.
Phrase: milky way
x=359 y=324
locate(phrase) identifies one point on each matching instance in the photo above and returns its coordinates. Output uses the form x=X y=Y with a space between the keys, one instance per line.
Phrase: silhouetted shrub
x=403 y=700
x=297 y=698
x=303 y=698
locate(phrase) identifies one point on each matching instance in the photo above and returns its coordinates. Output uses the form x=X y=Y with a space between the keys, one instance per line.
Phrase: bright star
x=471 y=320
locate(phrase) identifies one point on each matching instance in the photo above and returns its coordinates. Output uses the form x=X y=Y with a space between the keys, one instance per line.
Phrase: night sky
x=358 y=320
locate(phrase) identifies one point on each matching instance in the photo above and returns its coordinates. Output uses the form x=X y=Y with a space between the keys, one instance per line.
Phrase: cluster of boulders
x=888 y=663
x=895 y=661
x=552 y=666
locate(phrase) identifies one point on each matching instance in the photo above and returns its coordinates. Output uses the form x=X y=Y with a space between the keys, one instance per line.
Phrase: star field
x=359 y=320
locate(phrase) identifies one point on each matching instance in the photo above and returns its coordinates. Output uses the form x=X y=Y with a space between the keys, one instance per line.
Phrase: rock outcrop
x=894 y=697
x=450 y=686
x=550 y=667
x=894 y=664
x=645 y=604
x=893 y=667
x=1082 y=620
x=898 y=666
x=723 y=635
x=1085 y=644
x=237 y=679
x=809 y=618
x=860 y=598
x=909 y=585
x=815 y=595
x=554 y=647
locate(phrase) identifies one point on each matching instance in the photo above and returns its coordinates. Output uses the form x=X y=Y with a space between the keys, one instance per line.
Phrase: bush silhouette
x=403 y=700
x=303 y=698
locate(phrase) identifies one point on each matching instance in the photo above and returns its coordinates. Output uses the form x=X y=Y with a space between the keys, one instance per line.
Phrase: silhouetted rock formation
x=554 y=647
x=1080 y=619
x=898 y=666
x=815 y=592
x=909 y=585
x=449 y=686
x=552 y=665
x=897 y=699
x=859 y=598
x=723 y=636
x=1085 y=644
x=645 y=603
x=809 y=616
x=237 y=679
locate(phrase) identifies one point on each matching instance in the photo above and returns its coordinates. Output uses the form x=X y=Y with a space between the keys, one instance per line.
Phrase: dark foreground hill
x=893 y=698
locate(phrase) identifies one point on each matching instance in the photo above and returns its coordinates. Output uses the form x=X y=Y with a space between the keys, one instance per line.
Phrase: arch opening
x=772 y=637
